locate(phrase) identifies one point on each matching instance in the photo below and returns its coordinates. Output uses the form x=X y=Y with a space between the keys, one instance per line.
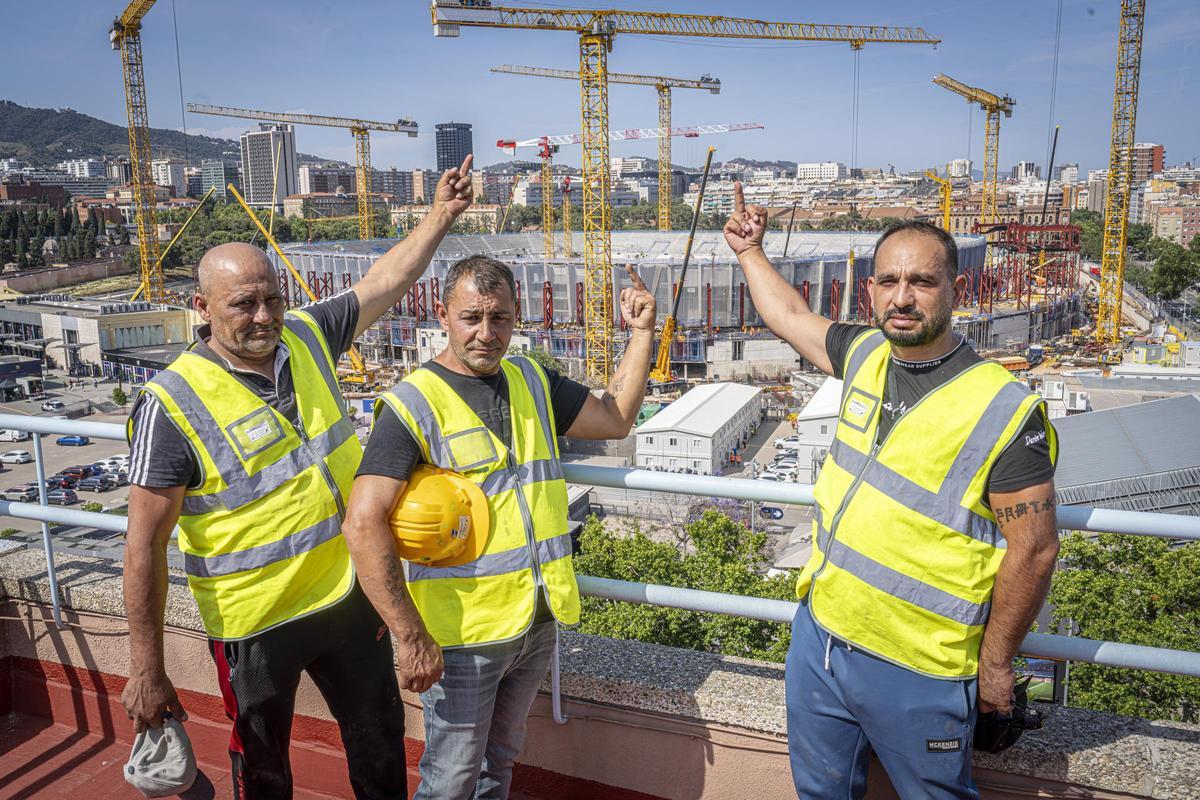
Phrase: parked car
x=120 y=477
x=787 y=441
x=60 y=482
x=53 y=405
x=62 y=497
x=96 y=483
x=72 y=441
x=14 y=435
x=784 y=473
x=769 y=476
x=24 y=493
x=16 y=457
x=78 y=472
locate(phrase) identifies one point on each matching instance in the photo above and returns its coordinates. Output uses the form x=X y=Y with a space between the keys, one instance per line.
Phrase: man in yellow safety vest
x=934 y=537
x=245 y=443
x=492 y=622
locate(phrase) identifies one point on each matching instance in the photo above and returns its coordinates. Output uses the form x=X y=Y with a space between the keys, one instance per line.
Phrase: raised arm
x=780 y=305
x=373 y=551
x=612 y=414
x=399 y=268
x=1027 y=521
x=152 y=516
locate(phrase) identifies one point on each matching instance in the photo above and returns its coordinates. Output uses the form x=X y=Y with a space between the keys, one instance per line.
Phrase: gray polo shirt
x=161 y=457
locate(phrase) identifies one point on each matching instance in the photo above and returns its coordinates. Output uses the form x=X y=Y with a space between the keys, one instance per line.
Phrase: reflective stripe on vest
x=260 y=536
x=492 y=598
x=904 y=548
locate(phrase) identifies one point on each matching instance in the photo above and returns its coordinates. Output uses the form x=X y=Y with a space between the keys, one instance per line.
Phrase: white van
x=12 y=435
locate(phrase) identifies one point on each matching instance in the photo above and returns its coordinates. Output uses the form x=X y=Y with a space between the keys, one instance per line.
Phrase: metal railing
x=1037 y=645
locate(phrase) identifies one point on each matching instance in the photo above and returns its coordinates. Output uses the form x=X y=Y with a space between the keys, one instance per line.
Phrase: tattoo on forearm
x=1018 y=510
x=614 y=388
x=393 y=579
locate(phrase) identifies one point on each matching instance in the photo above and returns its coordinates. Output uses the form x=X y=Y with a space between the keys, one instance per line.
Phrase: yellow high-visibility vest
x=905 y=550
x=492 y=599
x=261 y=536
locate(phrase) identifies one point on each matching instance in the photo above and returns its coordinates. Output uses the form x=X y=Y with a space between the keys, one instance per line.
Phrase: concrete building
x=83 y=168
x=120 y=171
x=1097 y=191
x=1176 y=223
x=959 y=168
x=822 y=171
x=398 y=183
x=320 y=204
x=700 y=432
x=327 y=180
x=1026 y=169
x=74 y=333
x=78 y=187
x=195 y=182
x=424 y=182
x=219 y=174
x=454 y=143
x=269 y=168
x=480 y=217
x=1148 y=160
x=170 y=172
x=15 y=189
x=815 y=425
x=1068 y=174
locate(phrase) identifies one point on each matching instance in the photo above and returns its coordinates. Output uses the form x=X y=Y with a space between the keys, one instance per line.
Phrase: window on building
x=695 y=442
x=739 y=350
x=672 y=441
x=673 y=463
x=824 y=429
x=649 y=440
x=695 y=464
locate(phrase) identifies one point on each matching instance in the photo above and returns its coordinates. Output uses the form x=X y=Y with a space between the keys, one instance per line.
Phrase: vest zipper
x=325 y=473
x=527 y=517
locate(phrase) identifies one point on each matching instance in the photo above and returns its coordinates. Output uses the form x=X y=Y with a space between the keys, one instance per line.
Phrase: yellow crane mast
x=362 y=145
x=994 y=105
x=546 y=151
x=568 y=245
x=946 y=190
x=1120 y=171
x=596 y=30
x=663 y=85
x=126 y=35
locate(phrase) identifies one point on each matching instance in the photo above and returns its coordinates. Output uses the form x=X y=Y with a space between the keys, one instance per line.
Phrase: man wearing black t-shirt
x=491 y=621
x=935 y=535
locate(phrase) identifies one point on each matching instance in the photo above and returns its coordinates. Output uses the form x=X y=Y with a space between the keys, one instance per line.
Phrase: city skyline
x=800 y=92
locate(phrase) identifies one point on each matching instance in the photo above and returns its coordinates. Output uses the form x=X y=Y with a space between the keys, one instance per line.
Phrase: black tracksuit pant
x=347 y=652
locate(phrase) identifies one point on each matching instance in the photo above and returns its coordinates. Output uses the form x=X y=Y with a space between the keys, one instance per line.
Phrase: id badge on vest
x=255 y=432
x=471 y=449
x=858 y=409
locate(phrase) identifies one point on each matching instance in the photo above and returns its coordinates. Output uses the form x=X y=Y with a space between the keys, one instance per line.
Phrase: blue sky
x=378 y=59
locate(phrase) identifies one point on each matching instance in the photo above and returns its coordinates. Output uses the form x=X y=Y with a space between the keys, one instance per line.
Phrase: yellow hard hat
x=441 y=519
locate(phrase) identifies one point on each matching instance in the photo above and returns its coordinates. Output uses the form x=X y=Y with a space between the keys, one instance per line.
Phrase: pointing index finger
x=638 y=283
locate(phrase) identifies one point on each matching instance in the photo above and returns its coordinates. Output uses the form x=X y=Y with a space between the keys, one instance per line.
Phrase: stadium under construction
x=721 y=335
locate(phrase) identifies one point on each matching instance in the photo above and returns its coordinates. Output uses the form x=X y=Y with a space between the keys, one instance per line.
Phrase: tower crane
x=945 y=189
x=1120 y=170
x=548 y=145
x=126 y=35
x=596 y=30
x=360 y=128
x=663 y=85
x=994 y=105
x=568 y=246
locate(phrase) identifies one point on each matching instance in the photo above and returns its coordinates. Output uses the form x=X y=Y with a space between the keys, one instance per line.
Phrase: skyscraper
x=170 y=172
x=1147 y=160
x=269 y=157
x=453 y=144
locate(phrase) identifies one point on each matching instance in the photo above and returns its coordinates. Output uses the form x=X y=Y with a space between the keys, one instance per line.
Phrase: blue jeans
x=842 y=703
x=475 y=715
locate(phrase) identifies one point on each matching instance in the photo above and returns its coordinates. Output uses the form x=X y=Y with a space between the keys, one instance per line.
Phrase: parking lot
x=58 y=458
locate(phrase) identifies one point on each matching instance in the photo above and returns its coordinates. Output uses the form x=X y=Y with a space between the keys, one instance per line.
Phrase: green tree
x=714 y=553
x=1175 y=268
x=542 y=357
x=119 y=397
x=1136 y=590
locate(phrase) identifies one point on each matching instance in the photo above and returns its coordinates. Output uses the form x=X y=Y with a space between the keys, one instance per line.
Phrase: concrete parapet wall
x=45 y=280
x=645 y=721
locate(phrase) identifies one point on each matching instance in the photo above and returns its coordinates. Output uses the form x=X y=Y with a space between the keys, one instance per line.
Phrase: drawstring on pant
x=828 y=647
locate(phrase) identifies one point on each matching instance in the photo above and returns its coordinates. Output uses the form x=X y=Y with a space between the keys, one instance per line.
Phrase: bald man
x=244 y=443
